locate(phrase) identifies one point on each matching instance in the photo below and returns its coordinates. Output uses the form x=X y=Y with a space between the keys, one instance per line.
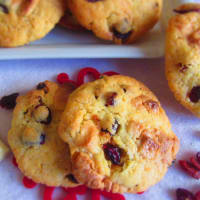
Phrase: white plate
x=62 y=43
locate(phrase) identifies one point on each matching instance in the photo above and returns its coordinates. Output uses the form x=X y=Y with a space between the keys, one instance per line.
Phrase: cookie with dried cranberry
x=119 y=136
x=182 y=56
x=23 y=21
x=121 y=21
x=40 y=153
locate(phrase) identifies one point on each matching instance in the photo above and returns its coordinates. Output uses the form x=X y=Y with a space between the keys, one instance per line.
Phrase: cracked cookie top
x=119 y=136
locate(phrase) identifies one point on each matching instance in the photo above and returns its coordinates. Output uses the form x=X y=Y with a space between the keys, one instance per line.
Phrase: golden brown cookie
x=23 y=21
x=182 y=56
x=119 y=136
x=121 y=21
x=40 y=153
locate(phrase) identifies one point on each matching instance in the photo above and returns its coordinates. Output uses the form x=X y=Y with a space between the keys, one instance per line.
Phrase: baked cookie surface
x=182 y=56
x=40 y=153
x=23 y=21
x=119 y=21
x=119 y=136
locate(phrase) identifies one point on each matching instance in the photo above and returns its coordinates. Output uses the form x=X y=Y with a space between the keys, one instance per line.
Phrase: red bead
x=80 y=190
x=197 y=195
x=70 y=196
x=96 y=194
x=48 y=192
x=14 y=162
x=83 y=72
x=190 y=169
x=28 y=183
x=62 y=78
x=110 y=73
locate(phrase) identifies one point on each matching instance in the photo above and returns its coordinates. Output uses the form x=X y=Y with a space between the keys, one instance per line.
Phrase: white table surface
x=22 y=75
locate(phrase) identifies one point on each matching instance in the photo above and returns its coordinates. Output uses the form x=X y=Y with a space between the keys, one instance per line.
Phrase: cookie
x=40 y=153
x=119 y=136
x=182 y=56
x=23 y=21
x=119 y=21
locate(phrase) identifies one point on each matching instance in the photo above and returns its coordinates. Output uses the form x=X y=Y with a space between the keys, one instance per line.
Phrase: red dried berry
x=110 y=101
x=110 y=73
x=195 y=163
x=9 y=102
x=183 y=194
x=48 y=192
x=198 y=156
x=70 y=196
x=62 y=78
x=113 y=196
x=96 y=194
x=28 y=183
x=80 y=190
x=14 y=162
x=83 y=72
x=197 y=195
x=190 y=169
x=112 y=153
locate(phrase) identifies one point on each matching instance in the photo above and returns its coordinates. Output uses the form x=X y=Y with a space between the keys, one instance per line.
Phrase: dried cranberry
x=9 y=102
x=190 y=169
x=183 y=194
x=113 y=196
x=197 y=195
x=195 y=163
x=42 y=138
x=194 y=95
x=72 y=178
x=198 y=157
x=110 y=101
x=113 y=153
x=187 y=11
x=4 y=8
x=119 y=35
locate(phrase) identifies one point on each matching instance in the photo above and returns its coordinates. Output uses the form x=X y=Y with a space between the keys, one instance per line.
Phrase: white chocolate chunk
x=3 y=150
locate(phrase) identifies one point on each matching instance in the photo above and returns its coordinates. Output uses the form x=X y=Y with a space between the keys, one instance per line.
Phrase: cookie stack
x=120 y=21
x=110 y=134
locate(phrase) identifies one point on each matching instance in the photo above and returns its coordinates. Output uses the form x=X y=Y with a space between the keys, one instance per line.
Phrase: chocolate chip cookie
x=119 y=136
x=40 y=153
x=121 y=21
